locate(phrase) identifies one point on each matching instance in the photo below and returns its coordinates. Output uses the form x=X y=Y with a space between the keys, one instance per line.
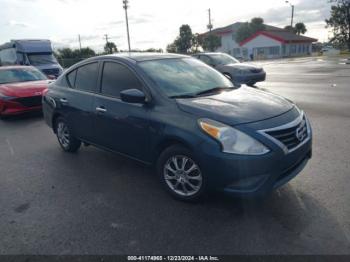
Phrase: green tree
x=171 y=48
x=300 y=28
x=110 y=48
x=290 y=29
x=183 y=42
x=85 y=52
x=210 y=42
x=67 y=56
x=339 y=21
x=246 y=30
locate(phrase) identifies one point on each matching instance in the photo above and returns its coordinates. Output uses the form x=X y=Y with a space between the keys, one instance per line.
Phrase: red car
x=21 y=89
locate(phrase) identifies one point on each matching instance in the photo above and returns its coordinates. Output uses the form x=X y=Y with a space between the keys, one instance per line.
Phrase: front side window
x=16 y=75
x=205 y=59
x=116 y=78
x=86 y=78
x=184 y=76
x=8 y=56
x=223 y=59
x=38 y=59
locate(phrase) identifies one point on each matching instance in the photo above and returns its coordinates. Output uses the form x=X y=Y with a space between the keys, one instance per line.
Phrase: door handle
x=101 y=109
x=64 y=100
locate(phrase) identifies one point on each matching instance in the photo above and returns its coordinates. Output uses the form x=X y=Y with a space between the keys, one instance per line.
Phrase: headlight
x=232 y=140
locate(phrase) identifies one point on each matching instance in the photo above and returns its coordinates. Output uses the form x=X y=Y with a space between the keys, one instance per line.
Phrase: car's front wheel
x=64 y=136
x=181 y=174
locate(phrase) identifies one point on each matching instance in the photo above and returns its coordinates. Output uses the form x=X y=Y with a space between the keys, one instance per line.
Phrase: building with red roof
x=273 y=42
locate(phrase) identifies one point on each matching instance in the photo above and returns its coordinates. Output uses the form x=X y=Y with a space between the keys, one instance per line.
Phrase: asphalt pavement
x=96 y=202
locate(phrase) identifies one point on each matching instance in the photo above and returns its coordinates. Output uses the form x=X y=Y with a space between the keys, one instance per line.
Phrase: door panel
x=122 y=127
x=77 y=99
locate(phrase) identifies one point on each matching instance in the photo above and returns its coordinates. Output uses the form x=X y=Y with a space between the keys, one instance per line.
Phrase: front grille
x=53 y=71
x=29 y=101
x=293 y=136
x=256 y=70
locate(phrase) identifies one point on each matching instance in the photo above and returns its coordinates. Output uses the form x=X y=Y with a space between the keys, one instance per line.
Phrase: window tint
x=87 y=77
x=117 y=78
x=186 y=76
x=205 y=59
x=71 y=78
x=8 y=56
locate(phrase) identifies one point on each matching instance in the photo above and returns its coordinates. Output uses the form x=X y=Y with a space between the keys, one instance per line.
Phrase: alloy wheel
x=182 y=175
x=63 y=134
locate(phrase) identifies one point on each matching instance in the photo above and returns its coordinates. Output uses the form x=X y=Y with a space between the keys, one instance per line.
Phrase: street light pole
x=210 y=27
x=292 y=20
x=125 y=6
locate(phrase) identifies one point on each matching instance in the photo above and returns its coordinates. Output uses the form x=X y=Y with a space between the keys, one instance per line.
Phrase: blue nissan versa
x=201 y=132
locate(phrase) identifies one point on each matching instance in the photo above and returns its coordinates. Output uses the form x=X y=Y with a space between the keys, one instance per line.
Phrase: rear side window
x=116 y=78
x=86 y=77
x=71 y=78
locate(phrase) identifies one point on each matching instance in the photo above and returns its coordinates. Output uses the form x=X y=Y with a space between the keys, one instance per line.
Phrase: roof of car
x=139 y=57
x=209 y=53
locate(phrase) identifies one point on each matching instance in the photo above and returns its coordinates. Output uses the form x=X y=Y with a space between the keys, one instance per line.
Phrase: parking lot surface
x=96 y=202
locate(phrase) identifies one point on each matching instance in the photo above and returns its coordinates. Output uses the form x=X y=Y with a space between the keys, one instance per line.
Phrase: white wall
x=227 y=44
x=262 y=41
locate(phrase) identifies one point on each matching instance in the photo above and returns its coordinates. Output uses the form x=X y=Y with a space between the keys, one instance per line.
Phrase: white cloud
x=153 y=23
x=17 y=23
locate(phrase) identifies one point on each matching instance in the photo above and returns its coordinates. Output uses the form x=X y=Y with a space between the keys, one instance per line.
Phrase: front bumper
x=251 y=176
x=250 y=78
x=9 y=108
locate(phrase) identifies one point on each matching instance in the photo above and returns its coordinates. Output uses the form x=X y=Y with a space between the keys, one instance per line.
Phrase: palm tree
x=300 y=28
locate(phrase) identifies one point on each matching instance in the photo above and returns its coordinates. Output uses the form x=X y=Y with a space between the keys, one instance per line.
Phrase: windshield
x=185 y=76
x=223 y=59
x=15 y=75
x=41 y=59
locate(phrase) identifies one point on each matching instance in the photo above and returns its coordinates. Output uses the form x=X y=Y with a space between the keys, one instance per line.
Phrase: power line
x=125 y=6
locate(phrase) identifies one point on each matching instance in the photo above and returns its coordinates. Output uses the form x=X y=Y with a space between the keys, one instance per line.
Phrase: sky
x=153 y=23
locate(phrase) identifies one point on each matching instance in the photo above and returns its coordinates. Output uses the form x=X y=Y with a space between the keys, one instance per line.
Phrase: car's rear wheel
x=64 y=136
x=180 y=173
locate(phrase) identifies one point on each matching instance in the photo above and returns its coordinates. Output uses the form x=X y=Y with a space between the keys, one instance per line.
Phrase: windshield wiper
x=213 y=90
x=182 y=96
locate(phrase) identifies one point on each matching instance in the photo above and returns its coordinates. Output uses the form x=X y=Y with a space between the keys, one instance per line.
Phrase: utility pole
x=125 y=6
x=292 y=20
x=79 y=42
x=106 y=37
x=210 y=27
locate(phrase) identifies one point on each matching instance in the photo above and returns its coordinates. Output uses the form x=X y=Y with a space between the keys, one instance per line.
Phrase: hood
x=239 y=106
x=49 y=66
x=24 y=89
x=240 y=66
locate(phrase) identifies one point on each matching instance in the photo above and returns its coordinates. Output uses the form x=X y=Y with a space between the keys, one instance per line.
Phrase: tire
x=68 y=142
x=185 y=183
x=251 y=84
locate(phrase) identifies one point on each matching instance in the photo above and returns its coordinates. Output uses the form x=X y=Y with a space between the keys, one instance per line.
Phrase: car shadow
x=22 y=117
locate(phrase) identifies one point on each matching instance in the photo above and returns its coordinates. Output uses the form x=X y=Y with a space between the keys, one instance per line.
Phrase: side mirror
x=133 y=96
